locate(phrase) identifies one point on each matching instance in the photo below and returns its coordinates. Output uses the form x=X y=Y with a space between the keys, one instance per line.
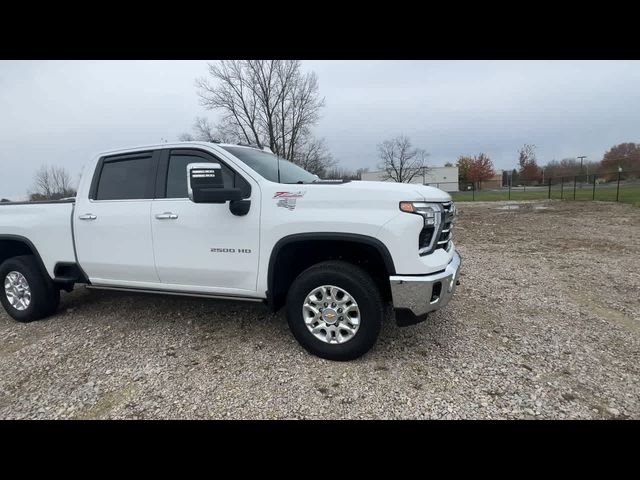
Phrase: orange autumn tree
x=475 y=169
x=625 y=156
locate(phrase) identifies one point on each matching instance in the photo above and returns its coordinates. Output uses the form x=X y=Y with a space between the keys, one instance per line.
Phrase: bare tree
x=400 y=161
x=360 y=171
x=268 y=103
x=186 y=137
x=52 y=183
x=234 y=94
x=527 y=155
x=203 y=131
x=338 y=173
x=528 y=162
x=313 y=155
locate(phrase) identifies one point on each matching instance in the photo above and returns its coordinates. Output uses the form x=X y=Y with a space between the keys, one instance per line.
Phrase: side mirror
x=205 y=184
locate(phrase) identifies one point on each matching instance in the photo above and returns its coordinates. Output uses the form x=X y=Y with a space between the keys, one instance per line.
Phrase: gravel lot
x=545 y=324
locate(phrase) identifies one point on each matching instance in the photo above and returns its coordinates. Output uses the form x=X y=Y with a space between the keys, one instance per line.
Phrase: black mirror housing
x=216 y=195
x=206 y=185
x=240 y=207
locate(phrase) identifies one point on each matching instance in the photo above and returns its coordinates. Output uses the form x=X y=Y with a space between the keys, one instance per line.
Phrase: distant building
x=444 y=178
x=494 y=182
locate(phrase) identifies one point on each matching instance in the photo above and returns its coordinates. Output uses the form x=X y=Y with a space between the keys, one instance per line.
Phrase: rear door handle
x=87 y=216
x=166 y=216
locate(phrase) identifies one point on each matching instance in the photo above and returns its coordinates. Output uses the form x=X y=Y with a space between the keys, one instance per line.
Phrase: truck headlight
x=431 y=212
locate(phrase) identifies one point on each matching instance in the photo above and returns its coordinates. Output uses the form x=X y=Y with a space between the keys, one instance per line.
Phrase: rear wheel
x=26 y=294
x=335 y=310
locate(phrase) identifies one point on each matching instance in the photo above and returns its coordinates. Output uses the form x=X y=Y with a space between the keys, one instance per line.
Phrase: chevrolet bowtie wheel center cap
x=330 y=316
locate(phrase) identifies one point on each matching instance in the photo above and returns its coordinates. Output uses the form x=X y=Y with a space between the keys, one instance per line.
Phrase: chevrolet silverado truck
x=237 y=222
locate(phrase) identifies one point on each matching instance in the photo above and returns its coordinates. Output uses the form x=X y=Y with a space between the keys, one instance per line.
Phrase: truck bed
x=45 y=224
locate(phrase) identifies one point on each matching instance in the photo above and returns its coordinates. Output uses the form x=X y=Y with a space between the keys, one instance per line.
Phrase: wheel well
x=14 y=246
x=290 y=258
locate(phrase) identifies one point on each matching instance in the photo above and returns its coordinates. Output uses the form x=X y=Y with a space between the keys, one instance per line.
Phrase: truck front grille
x=444 y=232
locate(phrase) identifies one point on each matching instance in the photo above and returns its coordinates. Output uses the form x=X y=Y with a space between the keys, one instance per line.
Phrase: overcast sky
x=64 y=112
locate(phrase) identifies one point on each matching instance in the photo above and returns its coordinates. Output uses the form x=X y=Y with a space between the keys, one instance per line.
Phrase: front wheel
x=335 y=310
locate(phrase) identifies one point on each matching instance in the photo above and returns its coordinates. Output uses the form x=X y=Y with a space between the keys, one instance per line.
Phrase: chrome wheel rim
x=331 y=314
x=17 y=290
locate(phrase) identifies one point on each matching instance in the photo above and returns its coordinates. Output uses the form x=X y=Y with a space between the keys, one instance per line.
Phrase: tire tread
x=45 y=296
x=374 y=307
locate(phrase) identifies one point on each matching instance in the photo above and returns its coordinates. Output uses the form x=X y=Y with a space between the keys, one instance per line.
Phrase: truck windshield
x=266 y=164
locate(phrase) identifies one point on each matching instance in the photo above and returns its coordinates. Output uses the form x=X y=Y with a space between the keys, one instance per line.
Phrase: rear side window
x=126 y=179
x=177 y=176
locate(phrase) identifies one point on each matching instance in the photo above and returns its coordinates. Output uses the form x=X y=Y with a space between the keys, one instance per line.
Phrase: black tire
x=360 y=286
x=45 y=297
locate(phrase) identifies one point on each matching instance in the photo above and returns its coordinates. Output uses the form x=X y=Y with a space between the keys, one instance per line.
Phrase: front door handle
x=87 y=216
x=166 y=216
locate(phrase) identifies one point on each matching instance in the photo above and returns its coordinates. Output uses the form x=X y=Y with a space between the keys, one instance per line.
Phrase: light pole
x=618 y=186
x=581 y=159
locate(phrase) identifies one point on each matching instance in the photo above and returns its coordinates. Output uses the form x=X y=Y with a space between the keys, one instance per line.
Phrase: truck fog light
x=435 y=292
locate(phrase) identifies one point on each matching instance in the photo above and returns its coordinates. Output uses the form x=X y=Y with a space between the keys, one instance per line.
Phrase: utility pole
x=581 y=160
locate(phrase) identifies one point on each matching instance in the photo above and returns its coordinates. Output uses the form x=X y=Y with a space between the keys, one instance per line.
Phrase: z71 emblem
x=288 y=199
x=298 y=194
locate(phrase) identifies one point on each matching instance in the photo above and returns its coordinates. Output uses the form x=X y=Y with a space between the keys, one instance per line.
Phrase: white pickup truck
x=236 y=222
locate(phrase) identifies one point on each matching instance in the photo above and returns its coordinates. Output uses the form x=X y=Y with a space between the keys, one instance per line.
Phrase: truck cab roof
x=178 y=144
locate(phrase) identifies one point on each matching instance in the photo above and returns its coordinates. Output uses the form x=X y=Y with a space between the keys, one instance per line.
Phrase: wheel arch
x=15 y=245
x=294 y=253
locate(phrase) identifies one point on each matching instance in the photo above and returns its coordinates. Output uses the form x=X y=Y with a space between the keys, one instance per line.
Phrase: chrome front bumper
x=415 y=296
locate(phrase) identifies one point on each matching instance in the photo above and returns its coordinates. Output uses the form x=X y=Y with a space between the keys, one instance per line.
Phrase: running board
x=173 y=292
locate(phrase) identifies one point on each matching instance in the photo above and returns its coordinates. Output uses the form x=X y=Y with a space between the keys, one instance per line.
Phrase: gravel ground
x=545 y=324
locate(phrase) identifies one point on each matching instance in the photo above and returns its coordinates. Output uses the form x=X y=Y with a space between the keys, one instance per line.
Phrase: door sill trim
x=174 y=292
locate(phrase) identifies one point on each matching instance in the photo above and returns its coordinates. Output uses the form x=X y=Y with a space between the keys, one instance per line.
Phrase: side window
x=177 y=176
x=126 y=179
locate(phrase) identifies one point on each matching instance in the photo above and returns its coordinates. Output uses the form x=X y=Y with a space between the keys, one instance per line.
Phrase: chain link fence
x=609 y=187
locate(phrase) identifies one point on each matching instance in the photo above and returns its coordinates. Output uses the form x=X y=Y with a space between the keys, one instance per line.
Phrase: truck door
x=204 y=247
x=112 y=226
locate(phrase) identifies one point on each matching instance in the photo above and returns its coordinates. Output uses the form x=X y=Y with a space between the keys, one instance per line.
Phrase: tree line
x=624 y=158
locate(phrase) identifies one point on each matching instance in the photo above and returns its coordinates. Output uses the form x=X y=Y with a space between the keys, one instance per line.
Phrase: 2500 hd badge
x=231 y=250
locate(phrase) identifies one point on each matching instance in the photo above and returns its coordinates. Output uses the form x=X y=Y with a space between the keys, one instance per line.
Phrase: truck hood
x=405 y=191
